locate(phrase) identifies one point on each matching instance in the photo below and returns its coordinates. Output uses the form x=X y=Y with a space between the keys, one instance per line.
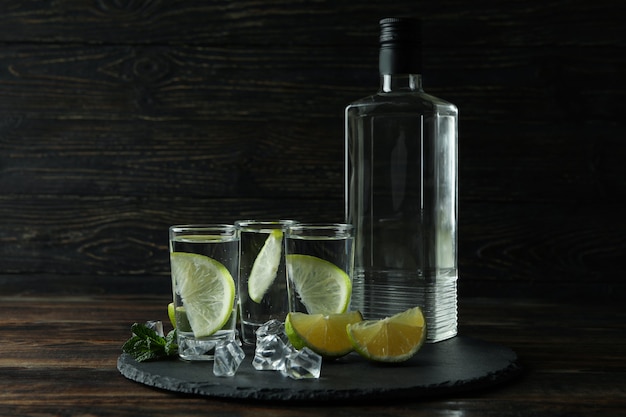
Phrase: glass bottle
x=401 y=189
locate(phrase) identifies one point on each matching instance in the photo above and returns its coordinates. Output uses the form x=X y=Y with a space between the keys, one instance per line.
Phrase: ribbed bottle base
x=382 y=294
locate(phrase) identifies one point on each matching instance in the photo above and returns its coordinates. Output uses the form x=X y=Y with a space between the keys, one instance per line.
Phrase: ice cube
x=228 y=356
x=272 y=327
x=190 y=348
x=270 y=353
x=301 y=364
x=157 y=326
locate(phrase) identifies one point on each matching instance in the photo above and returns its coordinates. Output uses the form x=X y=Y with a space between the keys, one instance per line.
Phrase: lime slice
x=171 y=313
x=323 y=334
x=178 y=317
x=393 y=339
x=265 y=266
x=323 y=287
x=207 y=290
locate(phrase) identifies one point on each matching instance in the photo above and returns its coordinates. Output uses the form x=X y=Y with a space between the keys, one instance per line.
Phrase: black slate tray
x=444 y=368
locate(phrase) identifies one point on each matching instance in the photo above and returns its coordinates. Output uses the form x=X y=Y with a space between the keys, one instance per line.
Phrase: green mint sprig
x=145 y=344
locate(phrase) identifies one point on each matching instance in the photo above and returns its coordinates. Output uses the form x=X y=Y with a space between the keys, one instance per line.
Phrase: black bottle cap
x=400 y=46
x=400 y=30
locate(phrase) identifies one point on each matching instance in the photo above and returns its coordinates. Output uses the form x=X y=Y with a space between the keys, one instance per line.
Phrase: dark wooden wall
x=119 y=118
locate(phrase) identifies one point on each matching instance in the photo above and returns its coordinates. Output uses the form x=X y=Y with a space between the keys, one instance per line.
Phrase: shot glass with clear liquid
x=205 y=267
x=320 y=262
x=262 y=276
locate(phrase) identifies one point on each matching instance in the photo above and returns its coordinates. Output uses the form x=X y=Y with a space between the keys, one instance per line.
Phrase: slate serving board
x=444 y=368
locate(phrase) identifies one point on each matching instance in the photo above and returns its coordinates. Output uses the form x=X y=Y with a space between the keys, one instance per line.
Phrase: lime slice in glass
x=207 y=290
x=265 y=266
x=178 y=317
x=323 y=287
x=171 y=313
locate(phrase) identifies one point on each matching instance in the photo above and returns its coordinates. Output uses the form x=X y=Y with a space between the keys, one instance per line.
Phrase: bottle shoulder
x=402 y=101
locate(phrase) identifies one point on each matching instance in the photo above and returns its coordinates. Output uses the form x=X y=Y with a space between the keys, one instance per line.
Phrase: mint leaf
x=171 y=348
x=143 y=331
x=145 y=344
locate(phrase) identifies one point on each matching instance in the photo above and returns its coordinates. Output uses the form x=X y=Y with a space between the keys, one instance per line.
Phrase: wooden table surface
x=60 y=347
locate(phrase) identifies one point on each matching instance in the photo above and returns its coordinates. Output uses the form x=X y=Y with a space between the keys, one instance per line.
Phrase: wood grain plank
x=120 y=118
x=297 y=160
x=292 y=159
x=573 y=362
x=322 y=22
x=169 y=83
x=117 y=134
x=542 y=250
x=120 y=235
x=177 y=159
x=548 y=250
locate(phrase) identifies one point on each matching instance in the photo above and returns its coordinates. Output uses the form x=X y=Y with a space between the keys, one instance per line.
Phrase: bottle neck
x=396 y=83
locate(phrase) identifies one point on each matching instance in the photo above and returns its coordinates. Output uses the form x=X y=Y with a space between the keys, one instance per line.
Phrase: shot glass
x=262 y=276
x=205 y=266
x=320 y=262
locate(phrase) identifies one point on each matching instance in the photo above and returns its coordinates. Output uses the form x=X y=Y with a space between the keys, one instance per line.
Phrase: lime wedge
x=207 y=290
x=323 y=287
x=393 y=339
x=323 y=334
x=265 y=266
